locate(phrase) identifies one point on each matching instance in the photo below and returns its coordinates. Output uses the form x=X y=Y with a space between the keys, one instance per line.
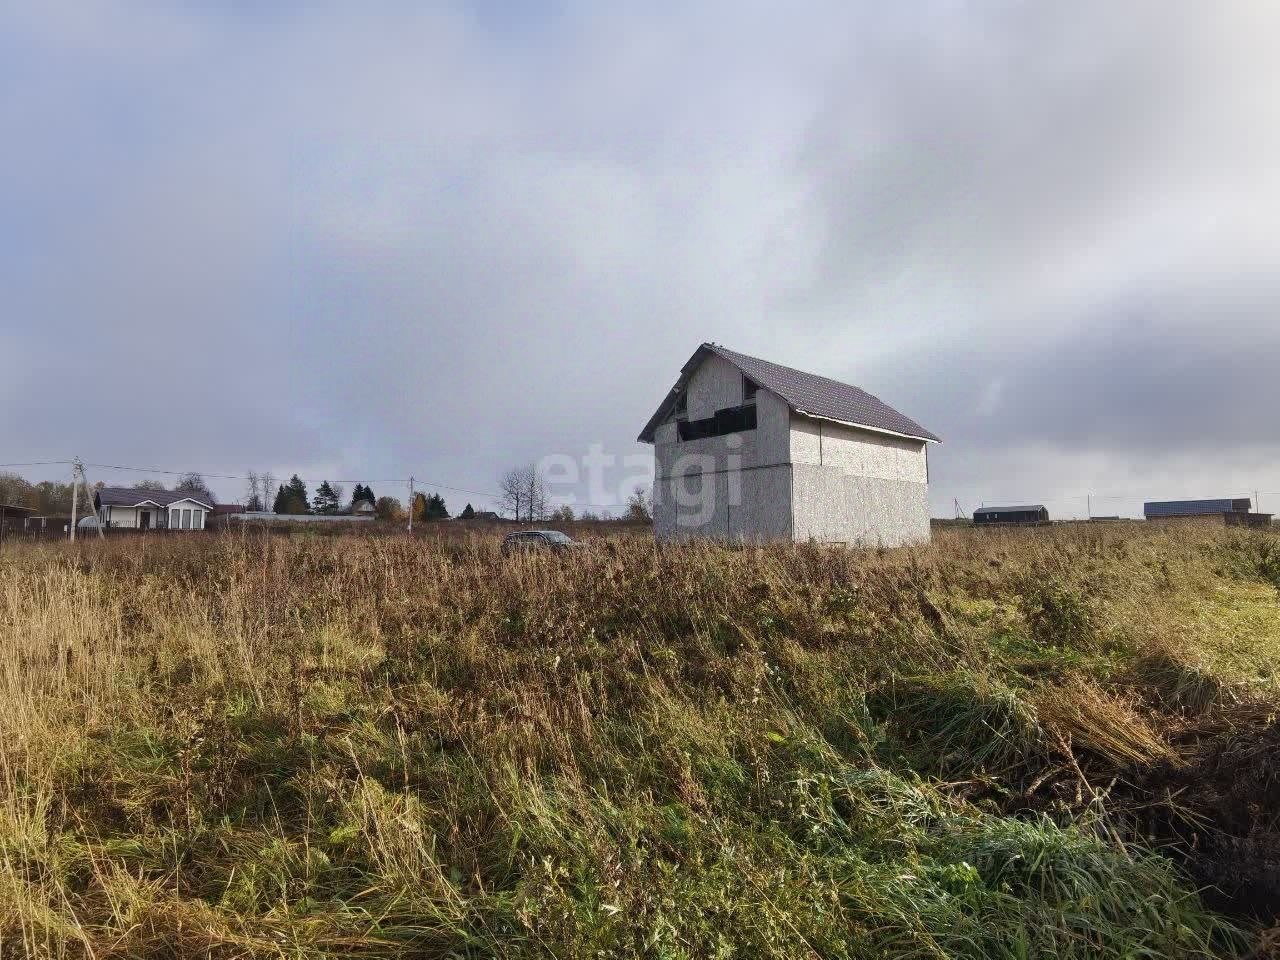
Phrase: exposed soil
x=1220 y=811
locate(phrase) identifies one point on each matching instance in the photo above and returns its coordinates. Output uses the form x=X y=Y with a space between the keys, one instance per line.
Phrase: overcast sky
x=445 y=241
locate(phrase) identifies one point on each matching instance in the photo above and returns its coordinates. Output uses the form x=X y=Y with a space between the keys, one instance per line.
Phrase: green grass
x=376 y=747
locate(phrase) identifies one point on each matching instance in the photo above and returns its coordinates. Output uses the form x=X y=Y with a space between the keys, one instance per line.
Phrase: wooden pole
x=411 y=503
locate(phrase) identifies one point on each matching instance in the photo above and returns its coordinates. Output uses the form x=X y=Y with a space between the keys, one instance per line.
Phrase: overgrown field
x=1058 y=743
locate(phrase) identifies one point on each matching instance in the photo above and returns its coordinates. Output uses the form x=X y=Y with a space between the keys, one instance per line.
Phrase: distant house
x=483 y=516
x=1232 y=512
x=363 y=508
x=141 y=509
x=746 y=449
x=1027 y=513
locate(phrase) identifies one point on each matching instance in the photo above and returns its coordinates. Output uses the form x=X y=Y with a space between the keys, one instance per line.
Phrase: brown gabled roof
x=805 y=393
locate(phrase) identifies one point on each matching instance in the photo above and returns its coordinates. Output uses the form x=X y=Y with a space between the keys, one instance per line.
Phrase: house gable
x=804 y=393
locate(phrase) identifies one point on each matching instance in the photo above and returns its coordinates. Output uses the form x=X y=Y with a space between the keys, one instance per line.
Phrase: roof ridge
x=816 y=376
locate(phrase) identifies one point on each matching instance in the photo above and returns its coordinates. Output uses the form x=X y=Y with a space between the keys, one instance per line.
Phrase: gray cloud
x=447 y=241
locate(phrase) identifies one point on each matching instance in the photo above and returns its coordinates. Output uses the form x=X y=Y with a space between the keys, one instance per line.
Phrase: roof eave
x=200 y=503
x=864 y=426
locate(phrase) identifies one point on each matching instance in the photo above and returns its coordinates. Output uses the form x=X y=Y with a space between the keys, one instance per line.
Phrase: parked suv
x=526 y=540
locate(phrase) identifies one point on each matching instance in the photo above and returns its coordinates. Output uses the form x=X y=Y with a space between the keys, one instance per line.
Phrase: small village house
x=140 y=509
x=749 y=450
x=1025 y=514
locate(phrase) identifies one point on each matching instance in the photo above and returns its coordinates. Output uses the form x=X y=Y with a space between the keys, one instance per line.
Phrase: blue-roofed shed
x=1234 y=512
x=1195 y=508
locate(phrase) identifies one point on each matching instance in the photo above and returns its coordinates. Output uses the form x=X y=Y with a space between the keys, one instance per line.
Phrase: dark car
x=536 y=540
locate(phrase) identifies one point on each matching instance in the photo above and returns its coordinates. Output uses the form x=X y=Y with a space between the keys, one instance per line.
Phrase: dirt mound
x=1220 y=809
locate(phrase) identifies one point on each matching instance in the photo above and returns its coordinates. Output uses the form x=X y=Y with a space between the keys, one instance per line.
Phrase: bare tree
x=339 y=491
x=389 y=508
x=194 y=484
x=253 y=499
x=267 y=481
x=17 y=491
x=523 y=493
x=511 y=487
x=535 y=493
x=640 y=506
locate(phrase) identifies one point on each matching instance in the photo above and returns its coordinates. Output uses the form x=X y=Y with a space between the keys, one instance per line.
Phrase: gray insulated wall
x=707 y=505
x=833 y=507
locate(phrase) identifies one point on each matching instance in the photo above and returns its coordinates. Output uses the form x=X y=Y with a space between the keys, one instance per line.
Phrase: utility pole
x=1089 y=505
x=75 y=496
x=84 y=478
x=411 y=503
x=77 y=478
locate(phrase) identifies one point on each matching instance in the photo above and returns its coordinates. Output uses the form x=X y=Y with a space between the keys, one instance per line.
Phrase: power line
x=115 y=466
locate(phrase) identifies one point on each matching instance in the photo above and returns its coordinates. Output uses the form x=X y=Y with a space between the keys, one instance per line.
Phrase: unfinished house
x=749 y=450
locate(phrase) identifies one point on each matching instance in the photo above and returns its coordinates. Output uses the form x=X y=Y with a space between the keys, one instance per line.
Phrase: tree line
x=523 y=496
x=329 y=499
x=52 y=498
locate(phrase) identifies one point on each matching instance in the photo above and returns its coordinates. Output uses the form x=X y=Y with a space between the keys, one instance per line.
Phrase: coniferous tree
x=281 y=501
x=325 y=501
x=357 y=494
x=467 y=512
x=292 y=497
x=435 y=508
x=368 y=496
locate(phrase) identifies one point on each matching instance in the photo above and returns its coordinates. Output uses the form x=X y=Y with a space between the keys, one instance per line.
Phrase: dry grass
x=369 y=746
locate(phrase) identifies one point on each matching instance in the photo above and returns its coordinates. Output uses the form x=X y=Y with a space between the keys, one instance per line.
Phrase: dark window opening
x=682 y=405
x=749 y=389
x=726 y=421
